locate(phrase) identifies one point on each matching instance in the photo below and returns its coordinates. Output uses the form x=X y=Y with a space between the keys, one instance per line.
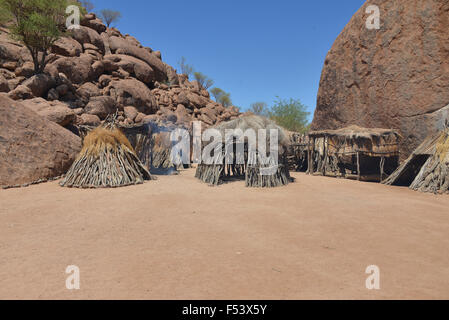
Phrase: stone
x=67 y=47
x=87 y=35
x=52 y=95
x=130 y=113
x=21 y=92
x=104 y=80
x=95 y=24
x=394 y=77
x=31 y=147
x=26 y=70
x=101 y=106
x=131 y=92
x=88 y=90
x=122 y=46
x=135 y=67
x=54 y=111
x=4 y=87
x=77 y=69
x=89 y=120
x=40 y=84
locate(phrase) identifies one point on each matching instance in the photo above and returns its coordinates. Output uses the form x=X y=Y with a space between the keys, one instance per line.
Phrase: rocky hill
x=96 y=71
x=396 y=77
x=93 y=72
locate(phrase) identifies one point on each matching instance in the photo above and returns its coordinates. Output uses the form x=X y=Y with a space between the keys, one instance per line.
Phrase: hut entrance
x=411 y=171
x=427 y=168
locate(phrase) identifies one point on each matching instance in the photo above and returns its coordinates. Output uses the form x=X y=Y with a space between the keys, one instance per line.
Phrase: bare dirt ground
x=177 y=238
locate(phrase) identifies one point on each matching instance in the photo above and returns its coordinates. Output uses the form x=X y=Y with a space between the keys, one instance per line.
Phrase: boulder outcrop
x=395 y=77
x=31 y=147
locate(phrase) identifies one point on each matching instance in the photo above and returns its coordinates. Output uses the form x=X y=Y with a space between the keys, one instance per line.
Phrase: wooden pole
x=325 y=156
x=382 y=164
x=358 y=165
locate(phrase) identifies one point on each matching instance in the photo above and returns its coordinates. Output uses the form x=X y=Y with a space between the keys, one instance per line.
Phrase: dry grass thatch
x=253 y=171
x=356 y=132
x=107 y=159
x=427 y=168
x=365 y=152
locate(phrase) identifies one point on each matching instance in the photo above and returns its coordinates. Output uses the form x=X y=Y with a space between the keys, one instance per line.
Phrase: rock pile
x=98 y=71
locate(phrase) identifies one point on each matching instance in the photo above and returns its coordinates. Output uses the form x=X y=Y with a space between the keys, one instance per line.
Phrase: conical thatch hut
x=354 y=152
x=107 y=159
x=256 y=169
x=427 y=169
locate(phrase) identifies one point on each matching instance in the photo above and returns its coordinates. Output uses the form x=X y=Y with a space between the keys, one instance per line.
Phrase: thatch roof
x=427 y=168
x=356 y=132
x=107 y=159
x=255 y=123
x=257 y=171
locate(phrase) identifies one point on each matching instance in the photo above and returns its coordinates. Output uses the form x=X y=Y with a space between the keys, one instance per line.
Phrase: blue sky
x=256 y=50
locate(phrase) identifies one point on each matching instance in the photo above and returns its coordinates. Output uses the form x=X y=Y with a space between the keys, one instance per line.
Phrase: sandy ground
x=176 y=238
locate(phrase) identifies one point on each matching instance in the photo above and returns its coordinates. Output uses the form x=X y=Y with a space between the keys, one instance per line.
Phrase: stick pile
x=106 y=160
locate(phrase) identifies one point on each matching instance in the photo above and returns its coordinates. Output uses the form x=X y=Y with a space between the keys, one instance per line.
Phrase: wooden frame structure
x=353 y=152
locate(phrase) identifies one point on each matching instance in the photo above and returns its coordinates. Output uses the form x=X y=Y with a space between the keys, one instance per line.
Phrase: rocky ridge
x=96 y=71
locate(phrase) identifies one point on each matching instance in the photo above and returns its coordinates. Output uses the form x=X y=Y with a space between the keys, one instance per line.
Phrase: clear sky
x=256 y=50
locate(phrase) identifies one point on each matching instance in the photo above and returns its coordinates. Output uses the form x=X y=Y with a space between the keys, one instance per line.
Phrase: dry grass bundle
x=252 y=170
x=442 y=147
x=101 y=138
x=107 y=159
x=427 y=169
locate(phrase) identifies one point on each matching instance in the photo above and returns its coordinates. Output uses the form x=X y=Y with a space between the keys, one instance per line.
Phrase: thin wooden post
x=358 y=165
x=325 y=156
x=382 y=164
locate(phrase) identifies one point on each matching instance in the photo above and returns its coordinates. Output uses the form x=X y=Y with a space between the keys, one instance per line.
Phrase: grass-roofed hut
x=257 y=169
x=354 y=152
x=427 y=168
x=150 y=141
x=107 y=159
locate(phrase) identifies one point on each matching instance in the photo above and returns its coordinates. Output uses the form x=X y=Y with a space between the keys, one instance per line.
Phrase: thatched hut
x=107 y=159
x=354 y=152
x=151 y=143
x=427 y=168
x=256 y=168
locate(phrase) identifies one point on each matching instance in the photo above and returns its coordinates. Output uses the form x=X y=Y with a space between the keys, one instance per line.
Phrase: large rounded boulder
x=31 y=147
x=393 y=77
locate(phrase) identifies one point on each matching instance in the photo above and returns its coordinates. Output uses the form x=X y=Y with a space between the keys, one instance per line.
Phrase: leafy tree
x=186 y=69
x=88 y=5
x=203 y=80
x=290 y=114
x=259 y=108
x=37 y=24
x=110 y=16
x=221 y=96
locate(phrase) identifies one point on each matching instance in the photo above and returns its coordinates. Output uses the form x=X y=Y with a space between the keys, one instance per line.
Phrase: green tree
x=221 y=97
x=88 y=5
x=37 y=24
x=290 y=114
x=259 y=108
x=110 y=16
x=203 y=80
x=186 y=69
